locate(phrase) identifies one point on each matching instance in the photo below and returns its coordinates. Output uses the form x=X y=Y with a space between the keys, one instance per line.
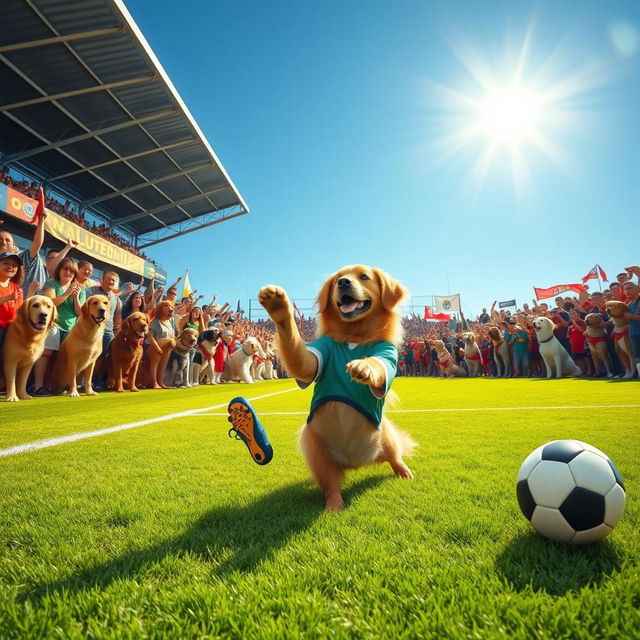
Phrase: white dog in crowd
x=472 y=355
x=556 y=359
x=257 y=364
x=270 y=372
x=238 y=366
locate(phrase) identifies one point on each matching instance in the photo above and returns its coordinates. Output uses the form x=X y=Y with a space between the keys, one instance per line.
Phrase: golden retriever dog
x=125 y=352
x=620 y=335
x=80 y=350
x=472 y=355
x=24 y=343
x=352 y=362
x=597 y=341
x=447 y=362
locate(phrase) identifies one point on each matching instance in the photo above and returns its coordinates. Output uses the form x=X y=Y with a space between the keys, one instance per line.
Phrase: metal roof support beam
x=202 y=226
x=67 y=155
x=133 y=30
x=175 y=203
x=148 y=152
x=148 y=183
x=77 y=92
x=83 y=35
x=17 y=157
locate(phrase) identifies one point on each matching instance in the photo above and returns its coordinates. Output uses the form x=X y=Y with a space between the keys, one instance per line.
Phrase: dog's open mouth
x=39 y=326
x=141 y=333
x=98 y=321
x=350 y=307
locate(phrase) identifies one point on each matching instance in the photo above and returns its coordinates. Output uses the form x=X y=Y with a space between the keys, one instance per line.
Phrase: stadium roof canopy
x=86 y=107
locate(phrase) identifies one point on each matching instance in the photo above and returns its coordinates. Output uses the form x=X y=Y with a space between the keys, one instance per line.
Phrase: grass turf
x=170 y=530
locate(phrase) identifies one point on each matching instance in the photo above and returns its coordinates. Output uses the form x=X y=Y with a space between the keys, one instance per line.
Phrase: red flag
x=552 y=292
x=435 y=317
x=297 y=311
x=592 y=275
x=40 y=206
x=603 y=275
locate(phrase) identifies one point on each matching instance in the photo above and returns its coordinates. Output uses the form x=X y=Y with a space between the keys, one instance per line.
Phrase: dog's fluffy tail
x=403 y=442
x=407 y=443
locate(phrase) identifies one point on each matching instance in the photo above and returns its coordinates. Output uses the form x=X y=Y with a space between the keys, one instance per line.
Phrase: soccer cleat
x=247 y=427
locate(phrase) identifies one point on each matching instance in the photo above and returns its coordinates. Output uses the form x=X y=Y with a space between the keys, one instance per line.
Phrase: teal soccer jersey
x=332 y=381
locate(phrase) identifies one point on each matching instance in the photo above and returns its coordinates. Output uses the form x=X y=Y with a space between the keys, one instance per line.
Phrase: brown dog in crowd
x=597 y=341
x=24 y=343
x=500 y=352
x=357 y=312
x=620 y=335
x=80 y=350
x=125 y=352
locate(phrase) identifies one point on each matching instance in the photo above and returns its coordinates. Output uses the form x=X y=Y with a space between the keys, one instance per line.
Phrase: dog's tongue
x=40 y=326
x=348 y=307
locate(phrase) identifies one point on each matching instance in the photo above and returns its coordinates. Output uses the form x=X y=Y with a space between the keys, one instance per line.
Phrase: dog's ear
x=23 y=311
x=84 y=310
x=54 y=316
x=324 y=295
x=126 y=324
x=391 y=291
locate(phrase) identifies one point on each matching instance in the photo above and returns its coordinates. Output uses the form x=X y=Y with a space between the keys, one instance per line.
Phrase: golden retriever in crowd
x=597 y=340
x=472 y=355
x=620 y=335
x=352 y=363
x=125 y=352
x=446 y=361
x=80 y=350
x=24 y=343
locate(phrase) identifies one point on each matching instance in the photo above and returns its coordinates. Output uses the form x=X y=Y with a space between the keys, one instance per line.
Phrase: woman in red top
x=11 y=277
x=577 y=341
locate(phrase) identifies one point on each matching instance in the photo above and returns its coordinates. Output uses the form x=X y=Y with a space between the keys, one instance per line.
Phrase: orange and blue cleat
x=247 y=427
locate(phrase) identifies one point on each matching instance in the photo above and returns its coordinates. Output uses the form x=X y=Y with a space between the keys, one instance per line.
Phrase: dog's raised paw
x=360 y=371
x=275 y=300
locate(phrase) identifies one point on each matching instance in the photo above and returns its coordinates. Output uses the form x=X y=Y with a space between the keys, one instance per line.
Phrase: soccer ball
x=570 y=492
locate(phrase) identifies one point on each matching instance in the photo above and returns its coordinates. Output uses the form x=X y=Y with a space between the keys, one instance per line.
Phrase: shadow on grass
x=242 y=536
x=531 y=561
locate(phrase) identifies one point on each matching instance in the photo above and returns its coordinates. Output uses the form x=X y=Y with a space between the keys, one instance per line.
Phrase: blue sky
x=332 y=121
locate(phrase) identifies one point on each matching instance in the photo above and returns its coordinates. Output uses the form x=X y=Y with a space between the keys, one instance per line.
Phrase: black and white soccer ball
x=570 y=492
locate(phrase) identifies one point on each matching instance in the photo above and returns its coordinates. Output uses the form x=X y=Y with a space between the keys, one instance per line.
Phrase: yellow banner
x=93 y=245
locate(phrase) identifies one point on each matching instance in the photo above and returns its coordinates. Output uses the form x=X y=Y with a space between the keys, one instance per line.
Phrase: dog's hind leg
x=326 y=473
x=395 y=444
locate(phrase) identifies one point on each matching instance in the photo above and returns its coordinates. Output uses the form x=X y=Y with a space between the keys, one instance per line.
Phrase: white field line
x=576 y=407
x=52 y=442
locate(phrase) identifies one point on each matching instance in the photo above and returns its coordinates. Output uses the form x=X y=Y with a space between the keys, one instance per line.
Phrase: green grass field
x=170 y=530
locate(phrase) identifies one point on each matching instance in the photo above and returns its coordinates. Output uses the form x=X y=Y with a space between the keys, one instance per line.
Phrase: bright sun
x=513 y=113
x=509 y=115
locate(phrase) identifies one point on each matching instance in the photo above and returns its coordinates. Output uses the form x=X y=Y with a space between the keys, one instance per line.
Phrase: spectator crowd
x=418 y=356
x=68 y=283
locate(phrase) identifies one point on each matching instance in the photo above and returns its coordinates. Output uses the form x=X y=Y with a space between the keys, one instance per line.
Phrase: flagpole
x=598 y=276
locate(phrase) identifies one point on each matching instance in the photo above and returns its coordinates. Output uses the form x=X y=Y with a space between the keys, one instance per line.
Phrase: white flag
x=447 y=304
x=186 y=289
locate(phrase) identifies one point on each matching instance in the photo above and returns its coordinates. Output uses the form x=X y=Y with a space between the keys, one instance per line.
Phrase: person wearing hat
x=11 y=296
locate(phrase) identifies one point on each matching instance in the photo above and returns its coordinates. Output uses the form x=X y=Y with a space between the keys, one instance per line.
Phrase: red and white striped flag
x=603 y=275
x=593 y=274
